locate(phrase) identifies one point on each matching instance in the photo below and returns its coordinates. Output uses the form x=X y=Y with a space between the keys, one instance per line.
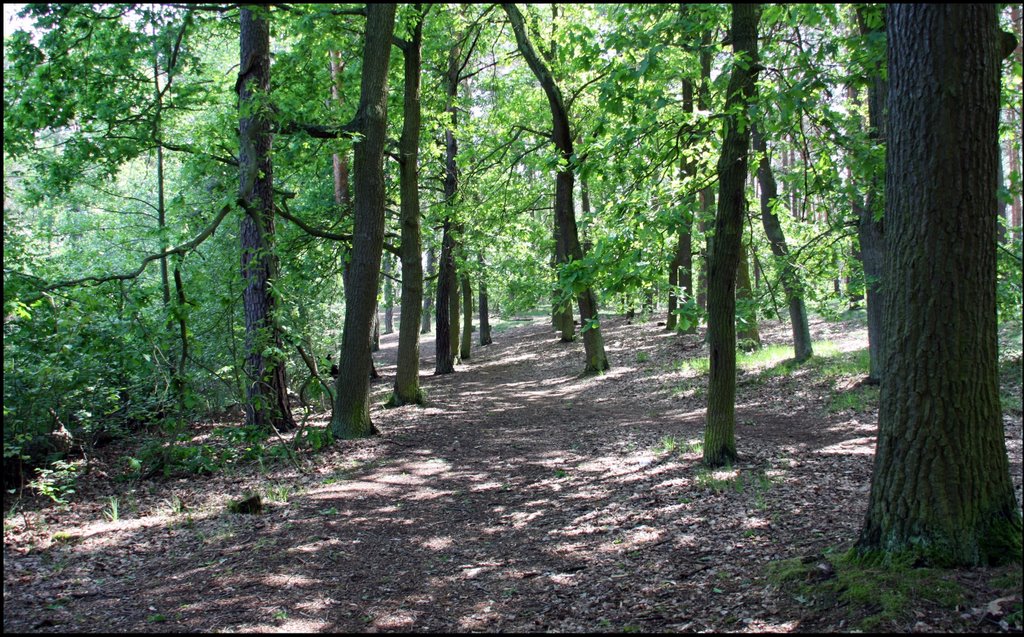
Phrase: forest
x=509 y=317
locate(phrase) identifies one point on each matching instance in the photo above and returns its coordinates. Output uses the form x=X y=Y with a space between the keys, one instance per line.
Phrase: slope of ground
x=524 y=497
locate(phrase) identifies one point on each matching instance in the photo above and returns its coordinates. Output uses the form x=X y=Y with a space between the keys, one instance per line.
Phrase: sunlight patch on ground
x=860 y=446
x=289 y=580
x=438 y=543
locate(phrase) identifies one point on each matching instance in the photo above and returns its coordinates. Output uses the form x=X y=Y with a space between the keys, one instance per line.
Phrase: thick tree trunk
x=941 y=488
x=791 y=283
x=870 y=228
x=407 y=382
x=726 y=251
x=351 y=417
x=565 y=214
x=267 y=387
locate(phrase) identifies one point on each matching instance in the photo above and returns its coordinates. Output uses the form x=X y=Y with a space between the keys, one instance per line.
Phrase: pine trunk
x=267 y=387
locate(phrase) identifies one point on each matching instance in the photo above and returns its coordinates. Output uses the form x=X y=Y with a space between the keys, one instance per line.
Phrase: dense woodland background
x=213 y=213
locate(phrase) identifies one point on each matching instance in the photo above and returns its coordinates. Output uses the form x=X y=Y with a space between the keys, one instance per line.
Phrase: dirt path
x=523 y=498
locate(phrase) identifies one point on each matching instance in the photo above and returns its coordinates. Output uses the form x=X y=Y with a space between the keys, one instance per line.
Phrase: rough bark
x=791 y=283
x=267 y=386
x=407 y=383
x=726 y=251
x=941 y=488
x=593 y=342
x=447 y=321
x=351 y=417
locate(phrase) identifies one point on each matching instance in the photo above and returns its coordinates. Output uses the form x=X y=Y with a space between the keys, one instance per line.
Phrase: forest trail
x=524 y=497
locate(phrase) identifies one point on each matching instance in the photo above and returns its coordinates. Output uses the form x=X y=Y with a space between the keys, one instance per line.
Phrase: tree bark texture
x=790 y=277
x=726 y=250
x=266 y=385
x=447 y=321
x=565 y=214
x=407 y=383
x=351 y=417
x=941 y=488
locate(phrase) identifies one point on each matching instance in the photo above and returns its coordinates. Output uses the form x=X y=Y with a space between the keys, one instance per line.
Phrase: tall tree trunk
x=447 y=322
x=389 y=296
x=680 y=268
x=467 y=318
x=561 y=315
x=407 y=382
x=593 y=342
x=791 y=282
x=870 y=227
x=351 y=417
x=941 y=488
x=267 y=386
x=485 y=319
x=444 y=361
x=719 y=434
x=428 y=298
x=747 y=318
x=707 y=195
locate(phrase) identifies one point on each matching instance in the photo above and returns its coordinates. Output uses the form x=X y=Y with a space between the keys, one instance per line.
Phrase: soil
x=523 y=497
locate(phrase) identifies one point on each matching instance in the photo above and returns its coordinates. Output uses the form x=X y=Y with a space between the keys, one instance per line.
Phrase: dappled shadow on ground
x=523 y=497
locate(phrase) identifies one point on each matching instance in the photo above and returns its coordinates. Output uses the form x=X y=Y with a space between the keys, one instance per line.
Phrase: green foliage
x=112 y=512
x=57 y=481
x=880 y=597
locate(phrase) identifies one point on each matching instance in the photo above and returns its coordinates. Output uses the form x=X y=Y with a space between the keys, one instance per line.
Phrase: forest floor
x=523 y=497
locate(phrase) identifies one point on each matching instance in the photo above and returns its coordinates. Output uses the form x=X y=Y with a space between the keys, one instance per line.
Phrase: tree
x=870 y=229
x=941 y=487
x=351 y=415
x=407 y=383
x=593 y=342
x=726 y=249
x=267 y=386
x=791 y=283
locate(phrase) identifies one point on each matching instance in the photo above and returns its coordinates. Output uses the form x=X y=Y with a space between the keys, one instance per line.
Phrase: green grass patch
x=859 y=399
x=873 y=597
x=726 y=479
x=694 y=366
